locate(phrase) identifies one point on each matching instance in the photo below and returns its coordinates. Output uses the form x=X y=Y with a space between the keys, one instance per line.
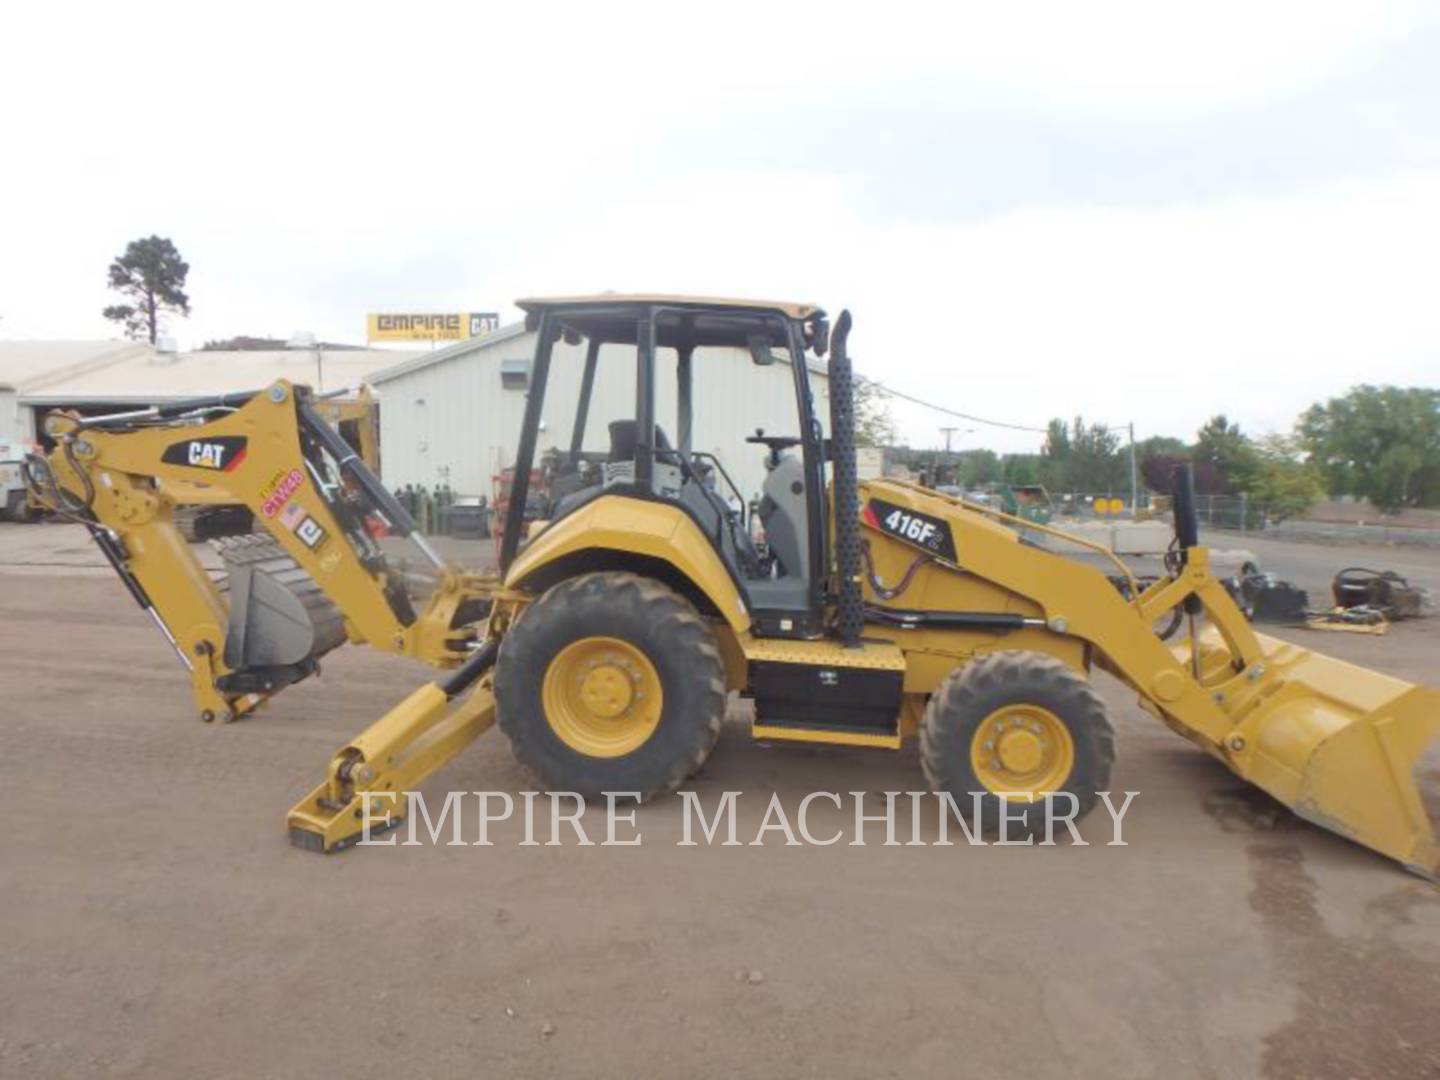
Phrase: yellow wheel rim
x=1024 y=751
x=602 y=697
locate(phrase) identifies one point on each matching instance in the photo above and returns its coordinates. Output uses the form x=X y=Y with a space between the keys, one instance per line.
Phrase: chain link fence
x=1240 y=513
x=1106 y=505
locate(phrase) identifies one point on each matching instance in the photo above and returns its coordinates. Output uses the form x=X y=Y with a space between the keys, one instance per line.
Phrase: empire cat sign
x=419 y=326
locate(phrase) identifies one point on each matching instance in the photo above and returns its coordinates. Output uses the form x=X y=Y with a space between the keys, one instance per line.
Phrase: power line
x=951 y=412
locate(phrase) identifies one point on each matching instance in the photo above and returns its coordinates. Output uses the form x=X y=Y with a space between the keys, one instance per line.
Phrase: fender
x=618 y=525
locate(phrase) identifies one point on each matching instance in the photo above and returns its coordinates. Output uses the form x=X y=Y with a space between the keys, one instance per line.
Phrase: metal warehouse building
x=112 y=376
x=453 y=416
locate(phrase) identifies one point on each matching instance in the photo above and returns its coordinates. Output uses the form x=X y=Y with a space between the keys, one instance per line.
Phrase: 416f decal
x=922 y=530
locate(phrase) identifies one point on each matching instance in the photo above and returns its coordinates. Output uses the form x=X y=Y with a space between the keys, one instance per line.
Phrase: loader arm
x=271 y=452
x=1336 y=743
x=1078 y=600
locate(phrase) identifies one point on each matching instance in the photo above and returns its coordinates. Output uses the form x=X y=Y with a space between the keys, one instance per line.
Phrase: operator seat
x=715 y=518
x=782 y=512
x=580 y=490
x=625 y=434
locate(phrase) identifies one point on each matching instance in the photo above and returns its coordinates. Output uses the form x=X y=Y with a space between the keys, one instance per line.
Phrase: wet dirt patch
x=1427 y=779
x=1247 y=810
x=1364 y=1005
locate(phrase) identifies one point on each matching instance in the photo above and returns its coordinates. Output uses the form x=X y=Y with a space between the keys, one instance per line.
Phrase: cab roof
x=789 y=309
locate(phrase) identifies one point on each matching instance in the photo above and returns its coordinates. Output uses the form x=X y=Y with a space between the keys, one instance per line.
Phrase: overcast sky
x=1143 y=211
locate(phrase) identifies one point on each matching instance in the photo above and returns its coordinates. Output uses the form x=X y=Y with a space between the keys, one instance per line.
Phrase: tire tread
x=680 y=625
x=959 y=703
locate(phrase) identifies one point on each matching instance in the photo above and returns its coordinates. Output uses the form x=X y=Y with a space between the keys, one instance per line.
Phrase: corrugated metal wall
x=13 y=425
x=454 y=421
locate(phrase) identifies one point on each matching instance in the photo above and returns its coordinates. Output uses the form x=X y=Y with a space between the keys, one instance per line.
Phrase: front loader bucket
x=1342 y=746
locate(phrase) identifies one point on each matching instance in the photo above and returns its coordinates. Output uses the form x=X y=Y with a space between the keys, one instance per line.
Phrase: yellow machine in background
x=877 y=612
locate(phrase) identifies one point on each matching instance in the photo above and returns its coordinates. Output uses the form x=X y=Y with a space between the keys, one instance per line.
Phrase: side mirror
x=820 y=336
x=760 y=350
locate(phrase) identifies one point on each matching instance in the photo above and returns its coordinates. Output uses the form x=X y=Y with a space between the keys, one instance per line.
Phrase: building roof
x=794 y=310
x=27 y=365
x=140 y=373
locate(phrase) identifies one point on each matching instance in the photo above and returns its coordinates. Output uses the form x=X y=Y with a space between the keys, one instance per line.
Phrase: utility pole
x=1134 y=481
x=947 y=432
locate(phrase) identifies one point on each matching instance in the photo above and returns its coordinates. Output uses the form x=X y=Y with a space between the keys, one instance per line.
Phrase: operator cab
x=771 y=537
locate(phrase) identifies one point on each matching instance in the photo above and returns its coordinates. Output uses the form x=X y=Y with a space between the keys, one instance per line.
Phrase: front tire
x=1021 y=724
x=611 y=682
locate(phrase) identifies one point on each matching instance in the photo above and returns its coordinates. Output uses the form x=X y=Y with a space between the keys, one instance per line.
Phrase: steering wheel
x=775 y=443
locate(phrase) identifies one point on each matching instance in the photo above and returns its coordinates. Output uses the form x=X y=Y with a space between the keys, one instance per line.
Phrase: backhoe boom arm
x=306 y=486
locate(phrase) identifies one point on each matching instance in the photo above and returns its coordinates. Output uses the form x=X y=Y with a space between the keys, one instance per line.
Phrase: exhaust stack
x=850 y=615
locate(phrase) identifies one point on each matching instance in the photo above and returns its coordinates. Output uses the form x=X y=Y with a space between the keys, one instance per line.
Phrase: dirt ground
x=157 y=924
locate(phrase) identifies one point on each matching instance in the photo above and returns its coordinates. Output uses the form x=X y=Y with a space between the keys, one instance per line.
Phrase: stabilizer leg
x=368 y=779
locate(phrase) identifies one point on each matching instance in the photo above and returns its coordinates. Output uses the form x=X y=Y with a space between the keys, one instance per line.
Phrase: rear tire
x=611 y=682
x=1018 y=722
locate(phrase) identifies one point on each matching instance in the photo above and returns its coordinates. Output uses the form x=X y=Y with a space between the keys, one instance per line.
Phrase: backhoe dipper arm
x=271 y=452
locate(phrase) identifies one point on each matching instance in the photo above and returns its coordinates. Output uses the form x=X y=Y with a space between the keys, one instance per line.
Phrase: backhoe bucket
x=1344 y=747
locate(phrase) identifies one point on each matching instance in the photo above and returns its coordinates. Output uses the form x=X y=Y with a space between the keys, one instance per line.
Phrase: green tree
x=974 y=468
x=1082 y=457
x=151 y=275
x=1380 y=443
x=1020 y=469
x=1162 y=444
x=874 y=426
x=1056 y=466
x=1057 y=440
x=1098 y=460
x=1282 y=480
x=1157 y=458
x=1223 y=446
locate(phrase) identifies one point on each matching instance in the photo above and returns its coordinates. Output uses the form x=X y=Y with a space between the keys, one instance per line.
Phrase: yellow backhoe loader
x=607 y=646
